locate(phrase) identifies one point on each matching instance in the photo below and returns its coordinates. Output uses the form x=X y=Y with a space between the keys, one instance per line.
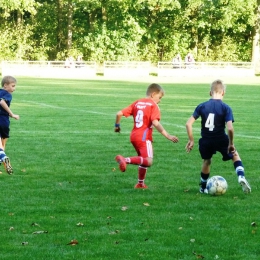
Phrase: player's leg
x=240 y=171
x=4 y=141
x=204 y=175
x=137 y=160
x=238 y=165
x=207 y=149
x=145 y=150
x=5 y=159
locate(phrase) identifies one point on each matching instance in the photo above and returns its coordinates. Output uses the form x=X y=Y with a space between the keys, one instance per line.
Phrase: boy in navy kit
x=8 y=87
x=215 y=117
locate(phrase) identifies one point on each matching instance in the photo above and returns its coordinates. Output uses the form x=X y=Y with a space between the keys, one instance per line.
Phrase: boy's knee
x=207 y=162
x=150 y=161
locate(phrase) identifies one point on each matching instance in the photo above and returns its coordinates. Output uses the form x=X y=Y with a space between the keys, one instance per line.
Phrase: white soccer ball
x=216 y=185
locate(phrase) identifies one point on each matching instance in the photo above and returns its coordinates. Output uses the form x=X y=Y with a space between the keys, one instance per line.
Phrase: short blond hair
x=8 y=80
x=154 y=88
x=217 y=86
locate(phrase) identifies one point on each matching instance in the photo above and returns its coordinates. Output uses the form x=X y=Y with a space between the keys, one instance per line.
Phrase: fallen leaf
x=114 y=232
x=35 y=224
x=113 y=169
x=124 y=208
x=40 y=232
x=198 y=256
x=80 y=224
x=192 y=240
x=180 y=228
x=11 y=228
x=146 y=204
x=73 y=242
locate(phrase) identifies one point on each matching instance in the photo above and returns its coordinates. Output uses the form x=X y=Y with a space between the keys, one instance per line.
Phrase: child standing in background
x=8 y=87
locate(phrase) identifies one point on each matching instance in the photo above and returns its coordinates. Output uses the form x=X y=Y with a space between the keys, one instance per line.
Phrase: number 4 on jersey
x=210 y=122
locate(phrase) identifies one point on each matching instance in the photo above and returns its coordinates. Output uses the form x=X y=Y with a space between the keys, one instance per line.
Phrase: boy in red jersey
x=146 y=115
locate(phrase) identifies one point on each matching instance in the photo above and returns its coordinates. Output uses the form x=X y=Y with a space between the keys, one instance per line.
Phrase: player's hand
x=231 y=149
x=17 y=117
x=189 y=146
x=174 y=138
x=117 y=129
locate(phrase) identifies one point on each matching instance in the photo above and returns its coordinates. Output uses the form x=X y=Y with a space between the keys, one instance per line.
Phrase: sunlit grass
x=63 y=150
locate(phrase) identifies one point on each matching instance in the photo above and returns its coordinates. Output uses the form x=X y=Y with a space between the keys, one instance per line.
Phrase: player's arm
x=119 y=115
x=230 y=133
x=8 y=110
x=190 y=143
x=161 y=130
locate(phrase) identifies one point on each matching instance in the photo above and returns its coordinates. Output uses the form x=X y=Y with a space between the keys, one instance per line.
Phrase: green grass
x=62 y=150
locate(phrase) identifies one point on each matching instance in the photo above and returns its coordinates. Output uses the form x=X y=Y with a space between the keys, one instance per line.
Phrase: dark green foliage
x=127 y=30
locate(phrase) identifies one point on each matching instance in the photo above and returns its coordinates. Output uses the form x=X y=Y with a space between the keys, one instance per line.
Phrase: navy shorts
x=209 y=147
x=4 y=131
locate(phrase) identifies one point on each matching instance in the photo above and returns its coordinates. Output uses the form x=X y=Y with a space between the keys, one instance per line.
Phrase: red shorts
x=144 y=149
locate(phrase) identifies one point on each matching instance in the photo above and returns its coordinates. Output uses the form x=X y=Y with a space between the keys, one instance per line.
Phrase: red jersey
x=144 y=111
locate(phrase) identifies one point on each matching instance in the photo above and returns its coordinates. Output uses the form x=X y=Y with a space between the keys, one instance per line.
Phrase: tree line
x=133 y=30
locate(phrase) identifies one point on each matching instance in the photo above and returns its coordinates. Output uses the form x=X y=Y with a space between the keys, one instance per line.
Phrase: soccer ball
x=216 y=185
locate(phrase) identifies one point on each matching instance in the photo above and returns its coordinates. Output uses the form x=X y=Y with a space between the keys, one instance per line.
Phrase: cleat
x=7 y=165
x=141 y=186
x=204 y=190
x=244 y=184
x=121 y=161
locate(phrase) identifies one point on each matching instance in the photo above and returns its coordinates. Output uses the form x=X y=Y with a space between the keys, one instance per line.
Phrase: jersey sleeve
x=155 y=113
x=229 y=115
x=196 y=113
x=128 y=111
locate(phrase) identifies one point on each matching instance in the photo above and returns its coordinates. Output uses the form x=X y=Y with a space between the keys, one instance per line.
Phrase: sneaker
x=245 y=185
x=121 y=161
x=7 y=165
x=141 y=186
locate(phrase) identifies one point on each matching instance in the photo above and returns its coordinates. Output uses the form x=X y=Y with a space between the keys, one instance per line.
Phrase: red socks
x=141 y=174
x=137 y=160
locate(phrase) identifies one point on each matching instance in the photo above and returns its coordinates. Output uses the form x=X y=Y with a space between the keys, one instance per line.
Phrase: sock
x=141 y=174
x=203 y=178
x=2 y=154
x=239 y=168
x=137 y=160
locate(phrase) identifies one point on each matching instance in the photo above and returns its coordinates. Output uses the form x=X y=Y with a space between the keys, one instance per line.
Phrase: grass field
x=67 y=183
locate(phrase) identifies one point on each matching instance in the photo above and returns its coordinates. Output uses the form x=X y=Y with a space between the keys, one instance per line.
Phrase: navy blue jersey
x=214 y=114
x=4 y=116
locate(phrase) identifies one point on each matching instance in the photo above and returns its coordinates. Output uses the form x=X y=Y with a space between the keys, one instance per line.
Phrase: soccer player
x=215 y=117
x=8 y=87
x=146 y=115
